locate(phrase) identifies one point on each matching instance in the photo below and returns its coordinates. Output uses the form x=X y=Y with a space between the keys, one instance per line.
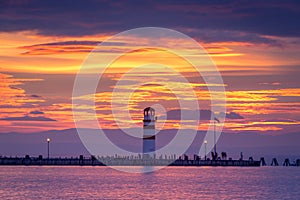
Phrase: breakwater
x=92 y=161
x=124 y=161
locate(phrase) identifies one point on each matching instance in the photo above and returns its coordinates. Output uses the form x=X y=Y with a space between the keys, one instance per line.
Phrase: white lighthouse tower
x=149 y=133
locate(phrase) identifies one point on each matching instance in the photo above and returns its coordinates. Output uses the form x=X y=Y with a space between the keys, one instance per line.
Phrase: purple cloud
x=234 y=115
x=35 y=96
x=36 y=112
x=204 y=114
x=27 y=118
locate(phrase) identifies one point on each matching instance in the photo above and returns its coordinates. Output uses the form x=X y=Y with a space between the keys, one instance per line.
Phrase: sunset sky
x=255 y=45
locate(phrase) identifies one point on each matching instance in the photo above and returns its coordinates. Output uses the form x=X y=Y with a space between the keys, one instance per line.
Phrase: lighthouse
x=149 y=133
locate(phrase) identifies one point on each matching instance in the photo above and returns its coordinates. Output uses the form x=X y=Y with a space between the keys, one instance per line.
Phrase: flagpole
x=215 y=149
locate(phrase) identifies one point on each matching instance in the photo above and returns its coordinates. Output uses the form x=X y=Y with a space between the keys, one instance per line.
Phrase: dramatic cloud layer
x=255 y=44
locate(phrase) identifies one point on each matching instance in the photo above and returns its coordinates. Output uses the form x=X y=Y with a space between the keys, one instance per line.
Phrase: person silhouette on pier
x=214 y=155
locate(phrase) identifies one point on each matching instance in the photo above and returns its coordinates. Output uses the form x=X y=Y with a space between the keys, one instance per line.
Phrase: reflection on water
x=21 y=182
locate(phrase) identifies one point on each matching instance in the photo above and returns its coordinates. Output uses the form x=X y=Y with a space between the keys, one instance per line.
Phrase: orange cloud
x=32 y=53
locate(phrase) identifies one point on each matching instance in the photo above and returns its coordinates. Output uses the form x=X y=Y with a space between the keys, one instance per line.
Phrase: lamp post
x=205 y=143
x=48 y=143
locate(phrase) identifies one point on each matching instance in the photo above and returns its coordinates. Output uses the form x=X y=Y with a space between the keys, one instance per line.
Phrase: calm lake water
x=47 y=182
